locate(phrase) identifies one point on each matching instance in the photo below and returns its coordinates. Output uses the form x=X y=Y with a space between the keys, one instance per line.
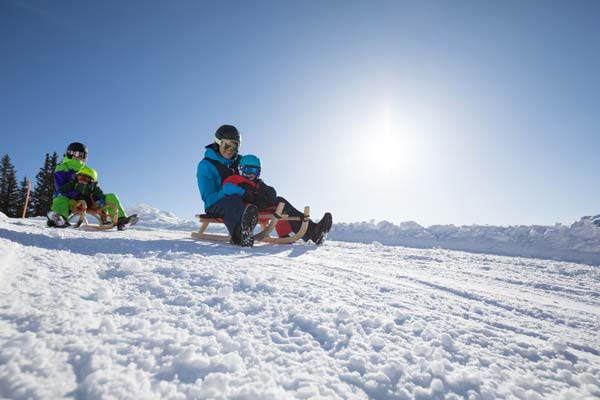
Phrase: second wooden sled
x=267 y=221
x=105 y=219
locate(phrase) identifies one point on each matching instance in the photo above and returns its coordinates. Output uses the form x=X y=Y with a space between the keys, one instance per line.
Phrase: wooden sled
x=267 y=221
x=105 y=220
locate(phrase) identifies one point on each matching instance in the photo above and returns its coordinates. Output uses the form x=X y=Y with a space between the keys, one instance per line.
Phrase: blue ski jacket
x=210 y=179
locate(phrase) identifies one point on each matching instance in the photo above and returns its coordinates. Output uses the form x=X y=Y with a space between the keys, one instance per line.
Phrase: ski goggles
x=80 y=155
x=231 y=146
x=246 y=170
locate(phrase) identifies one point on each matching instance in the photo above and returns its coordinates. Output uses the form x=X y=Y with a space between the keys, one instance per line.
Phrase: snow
x=150 y=313
x=150 y=217
x=577 y=242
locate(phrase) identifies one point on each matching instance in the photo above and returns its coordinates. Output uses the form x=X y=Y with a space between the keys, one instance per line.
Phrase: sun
x=392 y=147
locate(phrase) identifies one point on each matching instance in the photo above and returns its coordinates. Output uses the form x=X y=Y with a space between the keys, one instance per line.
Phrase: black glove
x=246 y=186
x=262 y=201
x=249 y=196
x=249 y=192
x=267 y=192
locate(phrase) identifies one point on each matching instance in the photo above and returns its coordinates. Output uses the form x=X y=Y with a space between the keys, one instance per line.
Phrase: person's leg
x=231 y=208
x=315 y=232
x=58 y=215
x=284 y=228
x=60 y=205
x=112 y=198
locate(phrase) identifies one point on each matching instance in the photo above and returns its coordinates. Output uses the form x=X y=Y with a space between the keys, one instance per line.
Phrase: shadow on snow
x=148 y=248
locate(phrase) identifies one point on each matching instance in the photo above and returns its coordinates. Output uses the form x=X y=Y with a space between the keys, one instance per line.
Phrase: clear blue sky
x=435 y=111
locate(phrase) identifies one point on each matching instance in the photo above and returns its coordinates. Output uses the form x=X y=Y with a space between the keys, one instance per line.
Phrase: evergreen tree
x=8 y=187
x=23 y=186
x=44 y=188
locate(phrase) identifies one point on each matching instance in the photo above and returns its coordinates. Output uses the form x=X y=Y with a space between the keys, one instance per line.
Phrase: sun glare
x=391 y=148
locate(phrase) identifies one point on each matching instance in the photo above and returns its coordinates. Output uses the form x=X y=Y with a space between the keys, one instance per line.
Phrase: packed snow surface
x=150 y=313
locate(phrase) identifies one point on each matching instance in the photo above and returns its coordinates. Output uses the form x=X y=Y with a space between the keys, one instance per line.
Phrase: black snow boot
x=125 y=222
x=321 y=229
x=247 y=224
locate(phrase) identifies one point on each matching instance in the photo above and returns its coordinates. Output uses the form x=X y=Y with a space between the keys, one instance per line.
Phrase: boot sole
x=249 y=221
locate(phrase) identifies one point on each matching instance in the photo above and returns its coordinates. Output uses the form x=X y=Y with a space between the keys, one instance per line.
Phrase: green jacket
x=64 y=173
x=90 y=191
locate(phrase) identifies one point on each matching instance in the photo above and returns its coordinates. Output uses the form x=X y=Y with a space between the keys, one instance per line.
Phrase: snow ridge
x=578 y=242
x=150 y=217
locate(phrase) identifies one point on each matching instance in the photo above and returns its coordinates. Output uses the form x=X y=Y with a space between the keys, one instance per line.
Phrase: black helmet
x=76 y=149
x=228 y=132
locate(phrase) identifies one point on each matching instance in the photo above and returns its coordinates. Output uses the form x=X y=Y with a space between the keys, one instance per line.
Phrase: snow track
x=151 y=314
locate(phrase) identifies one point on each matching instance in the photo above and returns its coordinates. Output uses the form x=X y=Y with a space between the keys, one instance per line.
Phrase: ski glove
x=267 y=192
x=249 y=196
x=100 y=203
x=230 y=189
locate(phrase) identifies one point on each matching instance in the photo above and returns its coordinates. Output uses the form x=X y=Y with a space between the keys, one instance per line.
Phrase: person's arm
x=70 y=186
x=209 y=184
x=267 y=192
x=64 y=172
x=97 y=194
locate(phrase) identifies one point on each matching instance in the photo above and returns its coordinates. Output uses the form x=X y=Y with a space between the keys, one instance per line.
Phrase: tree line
x=13 y=193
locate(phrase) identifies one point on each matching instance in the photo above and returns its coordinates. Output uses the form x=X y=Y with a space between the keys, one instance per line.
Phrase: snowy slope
x=150 y=313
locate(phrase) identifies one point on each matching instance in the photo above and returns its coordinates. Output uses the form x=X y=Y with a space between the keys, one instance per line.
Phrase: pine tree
x=23 y=187
x=8 y=187
x=44 y=188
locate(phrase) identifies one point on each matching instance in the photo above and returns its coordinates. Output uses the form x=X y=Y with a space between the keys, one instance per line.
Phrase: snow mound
x=150 y=217
x=594 y=220
x=578 y=242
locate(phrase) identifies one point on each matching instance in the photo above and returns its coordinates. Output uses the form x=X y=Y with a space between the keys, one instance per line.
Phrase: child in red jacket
x=264 y=197
x=256 y=192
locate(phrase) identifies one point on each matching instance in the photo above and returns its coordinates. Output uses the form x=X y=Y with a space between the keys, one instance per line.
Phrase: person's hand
x=230 y=189
x=100 y=203
x=262 y=201
x=250 y=196
x=267 y=193
x=246 y=186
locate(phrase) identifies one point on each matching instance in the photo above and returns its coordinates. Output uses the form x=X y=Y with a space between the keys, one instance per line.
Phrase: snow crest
x=578 y=242
x=150 y=217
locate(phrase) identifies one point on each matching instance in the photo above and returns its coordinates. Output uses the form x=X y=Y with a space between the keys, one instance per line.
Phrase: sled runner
x=105 y=220
x=267 y=221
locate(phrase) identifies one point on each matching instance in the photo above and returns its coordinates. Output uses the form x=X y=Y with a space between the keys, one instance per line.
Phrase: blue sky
x=435 y=111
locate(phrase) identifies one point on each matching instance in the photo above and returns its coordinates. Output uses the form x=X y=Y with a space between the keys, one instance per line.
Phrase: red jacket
x=238 y=179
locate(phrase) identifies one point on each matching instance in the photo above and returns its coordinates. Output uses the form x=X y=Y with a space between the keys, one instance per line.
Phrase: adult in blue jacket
x=220 y=161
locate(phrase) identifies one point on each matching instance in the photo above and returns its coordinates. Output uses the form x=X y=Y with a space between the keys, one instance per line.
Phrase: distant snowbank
x=151 y=217
x=578 y=242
